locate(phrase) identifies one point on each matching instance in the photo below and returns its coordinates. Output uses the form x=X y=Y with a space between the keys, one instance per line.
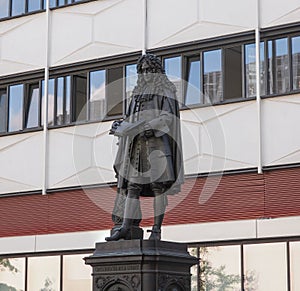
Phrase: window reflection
x=76 y=275
x=50 y=102
x=12 y=274
x=193 y=90
x=3 y=108
x=34 y=5
x=80 y=97
x=4 y=8
x=250 y=69
x=194 y=270
x=15 y=120
x=213 y=79
x=279 y=76
x=60 y=100
x=17 y=7
x=220 y=268
x=266 y=266
x=131 y=79
x=97 y=95
x=44 y=273
x=32 y=106
x=296 y=62
x=173 y=71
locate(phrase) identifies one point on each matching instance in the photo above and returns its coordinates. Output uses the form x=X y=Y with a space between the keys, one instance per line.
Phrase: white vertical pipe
x=145 y=27
x=45 y=120
x=258 y=92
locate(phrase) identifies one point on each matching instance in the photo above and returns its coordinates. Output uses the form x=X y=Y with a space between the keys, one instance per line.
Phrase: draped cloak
x=141 y=157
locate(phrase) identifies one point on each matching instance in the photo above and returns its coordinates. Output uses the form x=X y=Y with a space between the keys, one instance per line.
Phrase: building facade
x=67 y=69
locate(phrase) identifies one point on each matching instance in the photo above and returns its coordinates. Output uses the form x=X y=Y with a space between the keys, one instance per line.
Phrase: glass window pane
x=250 y=70
x=32 y=107
x=15 y=121
x=213 y=88
x=44 y=273
x=12 y=274
x=266 y=267
x=97 y=95
x=270 y=68
x=131 y=80
x=80 y=97
x=60 y=101
x=296 y=62
x=233 y=72
x=193 y=89
x=50 y=102
x=34 y=5
x=76 y=275
x=220 y=268
x=114 y=91
x=282 y=66
x=295 y=265
x=194 y=270
x=18 y=7
x=4 y=8
x=67 y=110
x=173 y=71
x=3 y=110
x=52 y=3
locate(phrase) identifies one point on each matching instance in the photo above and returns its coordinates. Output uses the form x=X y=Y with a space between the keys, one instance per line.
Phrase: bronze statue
x=149 y=159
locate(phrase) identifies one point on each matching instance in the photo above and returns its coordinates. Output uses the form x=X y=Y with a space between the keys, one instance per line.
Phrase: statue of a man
x=149 y=159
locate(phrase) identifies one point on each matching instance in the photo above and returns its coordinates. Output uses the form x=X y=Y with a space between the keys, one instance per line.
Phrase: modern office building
x=236 y=66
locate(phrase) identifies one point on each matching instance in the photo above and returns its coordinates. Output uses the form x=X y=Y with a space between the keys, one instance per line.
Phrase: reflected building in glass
x=68 y=71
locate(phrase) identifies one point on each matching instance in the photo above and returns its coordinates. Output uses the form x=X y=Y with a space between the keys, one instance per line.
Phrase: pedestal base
x=141 y=265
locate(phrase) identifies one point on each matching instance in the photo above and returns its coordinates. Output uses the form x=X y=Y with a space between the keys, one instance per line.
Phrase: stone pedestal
x=141 y=265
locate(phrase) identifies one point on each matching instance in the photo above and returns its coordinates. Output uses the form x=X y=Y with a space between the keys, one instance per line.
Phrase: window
x=34 y=5
x=4 y=8
x=233 y=78
x=193 y=89
x=296 y=62
x=12 y=274
x=279 y=76
x=213 y=79
x=32 y=104
x=97 y=95
x=16 y=101
x=131 y=79
x=173 y=71
x=79 y=97
x=3 y=110
x=44 y=273
x=18 y=7
x=266 y=265
x=76 y=275
x=250 y=70
x=114 y=95
x=63 y=96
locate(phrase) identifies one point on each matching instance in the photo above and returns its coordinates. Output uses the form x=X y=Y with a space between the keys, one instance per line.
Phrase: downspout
x=258 y=92
x=145 y=27
x=45 y=105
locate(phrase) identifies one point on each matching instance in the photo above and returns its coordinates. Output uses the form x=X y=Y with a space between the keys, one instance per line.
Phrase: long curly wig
x=160 y=81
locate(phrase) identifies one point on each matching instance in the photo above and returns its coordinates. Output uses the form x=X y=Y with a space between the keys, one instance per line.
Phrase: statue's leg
x=132 y=204
x=159 y=204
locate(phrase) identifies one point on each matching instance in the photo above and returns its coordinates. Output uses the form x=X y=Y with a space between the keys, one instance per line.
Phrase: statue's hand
x=148 y=131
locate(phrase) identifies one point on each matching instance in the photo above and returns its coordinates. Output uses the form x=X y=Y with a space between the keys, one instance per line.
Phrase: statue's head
x=149 y=66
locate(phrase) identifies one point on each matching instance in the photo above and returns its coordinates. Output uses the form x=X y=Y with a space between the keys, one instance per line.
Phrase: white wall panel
x=228 y=138
x=281 y=133
x=21 y=162
x=96 y=30
x=279 y=12
x=23 y=44
x=81 y=155
x=172 y=22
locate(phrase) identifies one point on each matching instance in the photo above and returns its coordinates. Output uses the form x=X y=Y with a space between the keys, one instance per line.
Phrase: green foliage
x=6 y=265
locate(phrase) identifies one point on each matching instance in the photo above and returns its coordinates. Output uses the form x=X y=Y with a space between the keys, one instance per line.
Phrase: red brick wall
x=237 y=196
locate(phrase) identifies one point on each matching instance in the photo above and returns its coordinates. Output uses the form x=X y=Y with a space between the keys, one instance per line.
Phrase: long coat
x=155 y=155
